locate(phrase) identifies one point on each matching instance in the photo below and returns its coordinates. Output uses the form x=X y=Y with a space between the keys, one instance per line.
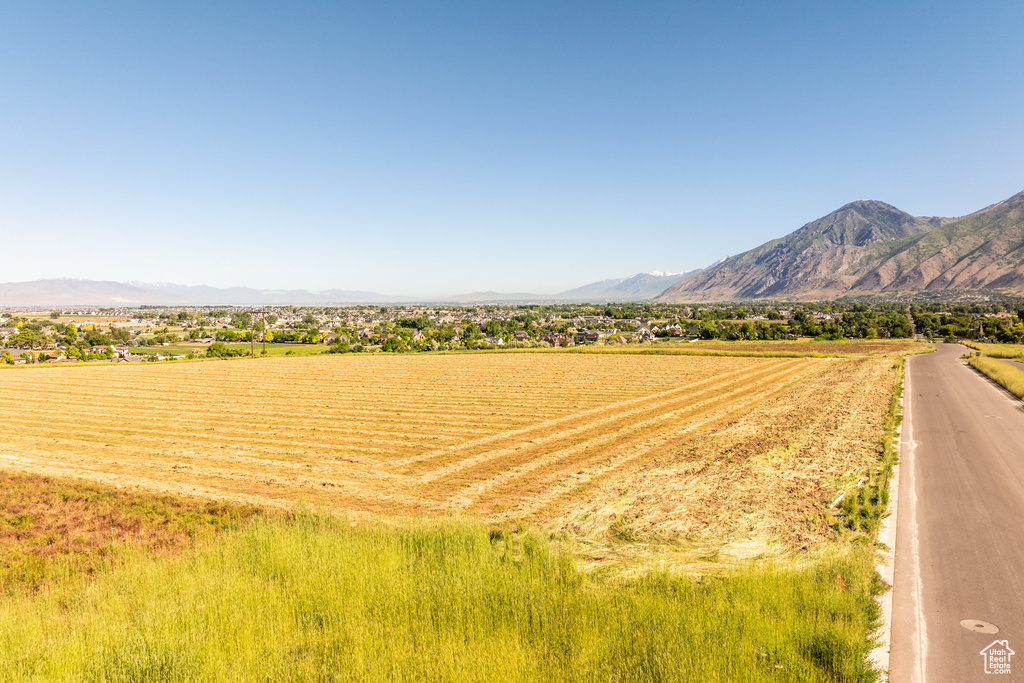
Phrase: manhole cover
x=979 y=626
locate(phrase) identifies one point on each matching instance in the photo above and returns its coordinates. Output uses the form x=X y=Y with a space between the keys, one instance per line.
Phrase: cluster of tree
x=222 y=350
x=970 y=321
x=233 y=336
x=28 y=339
x=859 y=321
x=84 y=354
x=342 y=345
x=76 y=341
x=709 y=328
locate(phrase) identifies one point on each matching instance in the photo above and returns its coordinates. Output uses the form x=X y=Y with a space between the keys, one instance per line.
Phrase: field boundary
x=887 y=534
x=1007 y=377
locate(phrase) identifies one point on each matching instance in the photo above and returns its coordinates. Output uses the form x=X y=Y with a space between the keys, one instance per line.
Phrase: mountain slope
x=870 y=248
x=980 y=252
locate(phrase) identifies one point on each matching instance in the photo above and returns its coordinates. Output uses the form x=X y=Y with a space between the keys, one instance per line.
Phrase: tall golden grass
x=1004 y=374
x=1013 y=351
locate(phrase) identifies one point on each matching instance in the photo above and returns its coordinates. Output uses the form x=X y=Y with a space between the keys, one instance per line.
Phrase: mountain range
x=870 y=249
x=75 y=292
x=639 y=287
x=865 y=249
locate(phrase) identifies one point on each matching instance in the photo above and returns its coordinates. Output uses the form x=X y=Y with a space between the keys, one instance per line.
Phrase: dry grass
x=54 y=526
x=637 y=455
x=1005 y=373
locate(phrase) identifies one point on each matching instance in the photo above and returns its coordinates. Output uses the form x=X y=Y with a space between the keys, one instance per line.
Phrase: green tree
x=98 y=339
x=394 y=345
x=218 y=350
x=28 y=339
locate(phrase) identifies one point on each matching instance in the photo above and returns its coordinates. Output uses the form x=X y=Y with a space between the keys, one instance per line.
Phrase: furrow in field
x=217 y=482
x=316 y=378
x=327 y=430
x=291 y=446
x=226 y=406
x=562 y=483
x=450 y=451
x=391 y=444
x=634 y=430
x=602 y=428
x=188 y=462
x=120 y=480
x=525 y=384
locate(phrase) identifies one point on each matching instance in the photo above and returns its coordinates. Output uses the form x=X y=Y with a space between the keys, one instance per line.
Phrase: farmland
x=674 y=455
x=508 y=516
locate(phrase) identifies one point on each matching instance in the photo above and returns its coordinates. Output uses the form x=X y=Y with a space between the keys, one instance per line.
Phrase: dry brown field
x=633 y=455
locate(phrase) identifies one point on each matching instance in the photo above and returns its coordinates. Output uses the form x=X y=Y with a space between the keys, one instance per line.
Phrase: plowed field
x=607 y=447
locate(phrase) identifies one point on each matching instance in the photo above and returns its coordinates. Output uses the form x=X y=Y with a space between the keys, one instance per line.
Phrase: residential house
x=556 y=339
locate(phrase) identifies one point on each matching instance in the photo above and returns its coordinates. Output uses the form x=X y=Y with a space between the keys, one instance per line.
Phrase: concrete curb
x=886 y=562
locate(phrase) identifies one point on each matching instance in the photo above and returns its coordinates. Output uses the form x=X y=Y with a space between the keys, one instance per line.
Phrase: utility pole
x=252 y=341
x=264 y=330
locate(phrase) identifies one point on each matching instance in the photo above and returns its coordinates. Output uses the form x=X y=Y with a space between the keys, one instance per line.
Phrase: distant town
x=136 y=334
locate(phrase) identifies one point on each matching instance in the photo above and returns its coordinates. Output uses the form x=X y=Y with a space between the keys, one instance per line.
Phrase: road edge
x=885 y=564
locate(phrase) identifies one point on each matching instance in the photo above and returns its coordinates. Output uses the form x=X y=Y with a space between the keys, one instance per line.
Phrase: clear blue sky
x=435 y=148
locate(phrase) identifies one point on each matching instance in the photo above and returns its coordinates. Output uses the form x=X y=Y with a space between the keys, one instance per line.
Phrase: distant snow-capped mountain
x=77 y=292
x=639 y=287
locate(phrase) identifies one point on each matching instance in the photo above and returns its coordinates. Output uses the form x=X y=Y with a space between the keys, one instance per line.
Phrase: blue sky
x=436 y=148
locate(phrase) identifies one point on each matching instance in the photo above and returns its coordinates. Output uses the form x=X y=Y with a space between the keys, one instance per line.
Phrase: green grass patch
x=283 y=349
x=863 y=507
x=173 y=349
x=1003 y=374
x=1012 y=351
x=311 y=598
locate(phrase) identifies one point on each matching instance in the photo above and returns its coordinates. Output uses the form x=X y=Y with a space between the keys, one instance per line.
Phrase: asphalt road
x=960 y=524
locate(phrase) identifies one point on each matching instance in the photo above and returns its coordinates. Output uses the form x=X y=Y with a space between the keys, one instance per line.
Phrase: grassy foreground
x=311 y=598
x=1004 y=374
